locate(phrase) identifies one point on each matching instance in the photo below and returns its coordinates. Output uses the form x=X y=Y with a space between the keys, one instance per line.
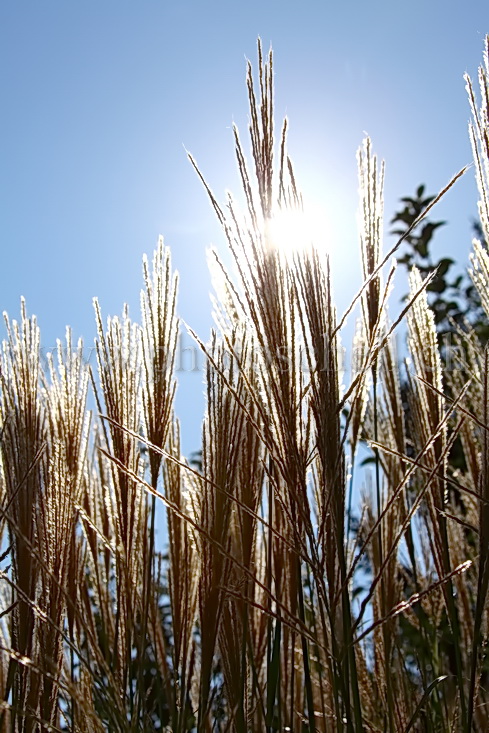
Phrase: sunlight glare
x=292 y=231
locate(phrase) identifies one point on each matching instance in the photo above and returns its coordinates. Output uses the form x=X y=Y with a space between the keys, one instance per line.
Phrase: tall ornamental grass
x=278 y=602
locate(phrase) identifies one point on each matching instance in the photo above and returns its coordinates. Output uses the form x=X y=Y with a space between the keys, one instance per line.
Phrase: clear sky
x=99 y=98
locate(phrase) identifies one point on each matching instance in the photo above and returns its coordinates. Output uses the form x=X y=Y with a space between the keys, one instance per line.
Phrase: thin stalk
x=317 y=652
x=148 y=583
x=305 y=652
x=454 y=623
x=240 y=715
x=292 y=683
x=351 y=675
x=350 y=500
x=385 y=631
x=73 y=703
x=483 y=574
x=269 y=584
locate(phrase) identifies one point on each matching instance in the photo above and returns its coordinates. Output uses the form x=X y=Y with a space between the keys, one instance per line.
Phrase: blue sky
x=100 y=98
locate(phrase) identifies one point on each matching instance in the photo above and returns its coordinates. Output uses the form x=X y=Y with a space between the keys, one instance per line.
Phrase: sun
x=292 y=231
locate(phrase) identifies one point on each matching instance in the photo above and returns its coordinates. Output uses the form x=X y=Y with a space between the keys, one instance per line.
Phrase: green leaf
x=399 y=232
x=425 y=697
x=406 y=216
x=438 y=285
x=452 y=305
x=422 y=248
x=444 y=265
